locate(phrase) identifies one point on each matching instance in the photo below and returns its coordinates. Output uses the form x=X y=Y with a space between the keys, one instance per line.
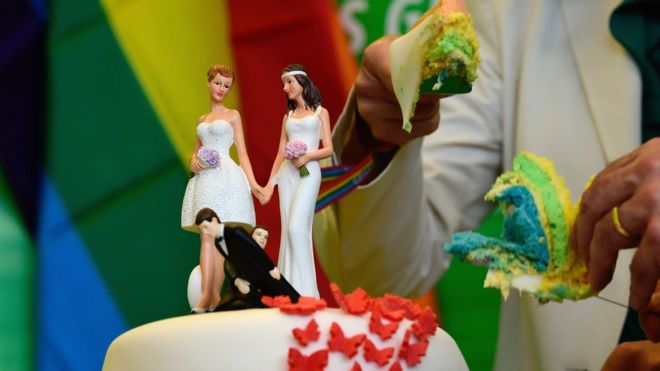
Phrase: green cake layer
x=454 y=53
x=553 y=197
x=538 y=217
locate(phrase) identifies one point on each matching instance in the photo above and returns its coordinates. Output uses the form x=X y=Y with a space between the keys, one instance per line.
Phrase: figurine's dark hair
x=311 y=94
x=205 y=214
x=220 y=69
x=259 y=226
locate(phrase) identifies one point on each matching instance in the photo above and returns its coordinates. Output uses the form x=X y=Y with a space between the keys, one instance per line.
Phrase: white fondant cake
x=260 y=339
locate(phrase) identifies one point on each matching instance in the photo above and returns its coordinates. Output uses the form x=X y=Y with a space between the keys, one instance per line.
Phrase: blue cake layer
x=523 y=236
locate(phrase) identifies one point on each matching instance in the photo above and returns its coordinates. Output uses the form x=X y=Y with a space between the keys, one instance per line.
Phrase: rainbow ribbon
x=338 y=181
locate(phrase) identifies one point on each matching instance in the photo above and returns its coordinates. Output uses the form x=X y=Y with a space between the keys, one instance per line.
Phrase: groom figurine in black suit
x=248 y=258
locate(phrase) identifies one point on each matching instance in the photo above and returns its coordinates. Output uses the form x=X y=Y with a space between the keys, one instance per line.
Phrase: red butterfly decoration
x=392 y=307
x=357 y=302
x=305 y=305
x=314 y=362
x=275 y=302
x=379 y=356
x=340 y=343
x=356 y=367
x=309 y=334
x=396 y=366
x=425 y=325
x=412 y=353
x=384 y=330
x=413 y=310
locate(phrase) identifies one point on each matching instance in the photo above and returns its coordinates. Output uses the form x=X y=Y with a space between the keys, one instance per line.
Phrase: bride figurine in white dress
x=218 y=184
x=305 y=123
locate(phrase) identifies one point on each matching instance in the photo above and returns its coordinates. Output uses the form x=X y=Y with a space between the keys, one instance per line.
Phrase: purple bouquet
x=208 y=157
x=295 y=149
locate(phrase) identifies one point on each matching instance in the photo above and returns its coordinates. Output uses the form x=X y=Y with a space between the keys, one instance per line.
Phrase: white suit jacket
x=552 y=81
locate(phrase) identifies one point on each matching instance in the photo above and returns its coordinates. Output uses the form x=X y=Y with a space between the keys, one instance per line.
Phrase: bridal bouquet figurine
x=295 y=149
x=208 y=157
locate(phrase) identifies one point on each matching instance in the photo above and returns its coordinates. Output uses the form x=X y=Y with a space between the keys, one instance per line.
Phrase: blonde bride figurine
x=218 y=184
x=297 y=173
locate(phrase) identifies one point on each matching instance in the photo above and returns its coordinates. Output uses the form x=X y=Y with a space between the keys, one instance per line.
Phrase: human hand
x=300 y=161
x=636 y=355
x=242 y=285
x=275 y=273
x=631 y=183
x=210 y=228
x=266 y=194
x=649 y=316
x=195 y=167
x=258 y=192
x=378 y=106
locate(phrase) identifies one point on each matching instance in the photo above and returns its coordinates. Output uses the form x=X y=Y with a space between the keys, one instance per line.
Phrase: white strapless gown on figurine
x=297 y=202
x=225 y=188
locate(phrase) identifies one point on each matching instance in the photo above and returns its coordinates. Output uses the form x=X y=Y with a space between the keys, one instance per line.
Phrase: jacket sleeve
x=253 y=249
x=387 y=236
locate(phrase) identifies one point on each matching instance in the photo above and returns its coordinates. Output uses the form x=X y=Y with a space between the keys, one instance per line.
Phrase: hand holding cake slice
x=438 y=55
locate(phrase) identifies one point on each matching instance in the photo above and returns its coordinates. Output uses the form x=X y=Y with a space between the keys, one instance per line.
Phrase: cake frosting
x=439 y=54
x=388 y=333
x=533 y=254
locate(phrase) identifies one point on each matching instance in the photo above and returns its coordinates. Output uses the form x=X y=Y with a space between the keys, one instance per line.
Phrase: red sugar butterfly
x=357 y=302
x=391 y=307
x=379 y=356
x=413 y=310
x=384 y=330
x=305 y=305
x=425 y=325
x=275 y=302
x=314 y=362
x=340 y=343
x=412 y=353
x=309 y=334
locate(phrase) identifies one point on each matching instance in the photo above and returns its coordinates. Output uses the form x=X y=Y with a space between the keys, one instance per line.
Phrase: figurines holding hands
x=223 y=187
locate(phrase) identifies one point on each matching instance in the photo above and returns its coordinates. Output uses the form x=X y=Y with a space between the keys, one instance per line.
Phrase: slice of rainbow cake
x=532 y=255
x=439 y=54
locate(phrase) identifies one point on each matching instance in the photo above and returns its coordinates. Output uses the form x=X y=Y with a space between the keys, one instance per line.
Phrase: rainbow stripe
x=338 y=181
x=332 y=172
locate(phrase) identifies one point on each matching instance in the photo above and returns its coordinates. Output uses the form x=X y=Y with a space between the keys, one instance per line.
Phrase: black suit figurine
x=249 y=261
x=238 y=293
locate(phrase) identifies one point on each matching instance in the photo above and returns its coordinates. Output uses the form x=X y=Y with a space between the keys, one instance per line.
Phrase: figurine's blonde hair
x=219 y=69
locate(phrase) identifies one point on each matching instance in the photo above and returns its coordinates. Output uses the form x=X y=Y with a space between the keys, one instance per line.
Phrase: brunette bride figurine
x=218 y=183
x=297 y=173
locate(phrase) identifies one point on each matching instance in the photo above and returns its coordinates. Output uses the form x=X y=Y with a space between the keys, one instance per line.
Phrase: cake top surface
x=387 y=333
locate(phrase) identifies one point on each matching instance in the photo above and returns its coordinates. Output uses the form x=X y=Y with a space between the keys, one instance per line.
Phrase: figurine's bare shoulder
x=234 y=115
x=324 y=112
